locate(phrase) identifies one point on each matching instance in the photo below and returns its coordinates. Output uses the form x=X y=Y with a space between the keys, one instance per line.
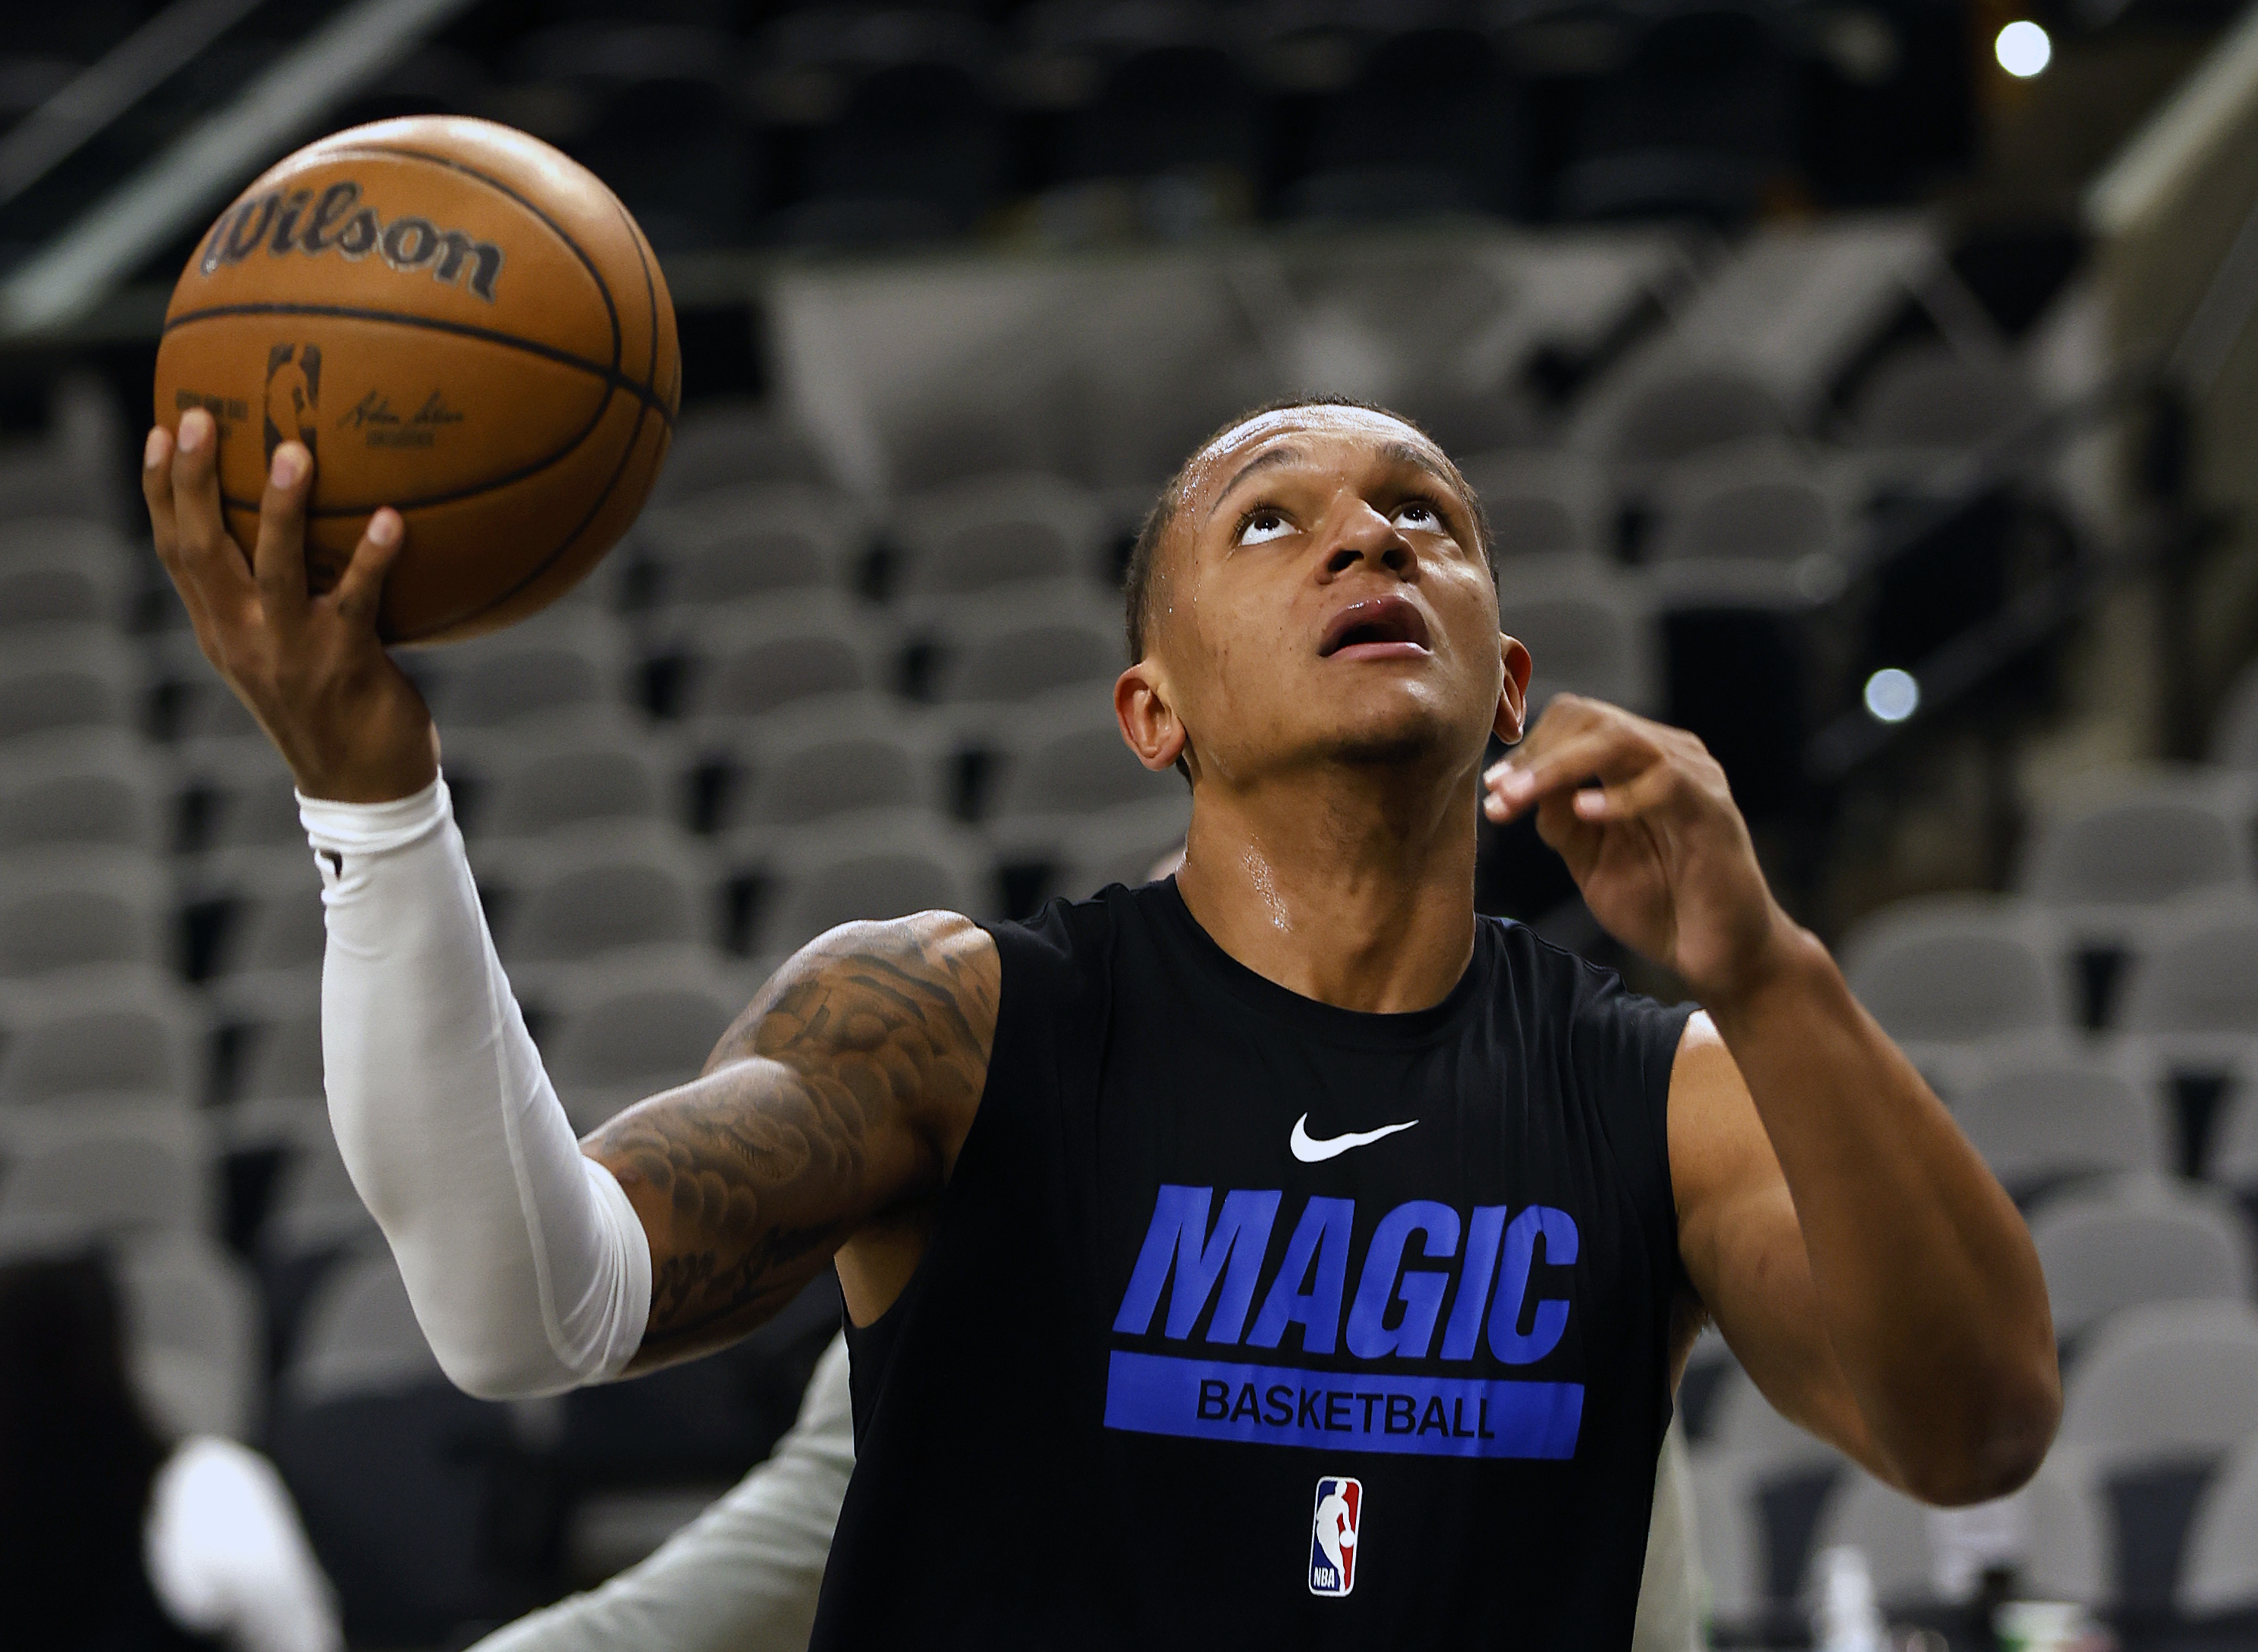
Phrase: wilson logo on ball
x=298 y=221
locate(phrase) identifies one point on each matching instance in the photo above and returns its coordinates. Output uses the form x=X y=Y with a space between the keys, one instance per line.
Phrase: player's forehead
x=1321 y=434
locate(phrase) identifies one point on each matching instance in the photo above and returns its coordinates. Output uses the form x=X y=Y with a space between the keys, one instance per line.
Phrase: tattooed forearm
x=841 y=1093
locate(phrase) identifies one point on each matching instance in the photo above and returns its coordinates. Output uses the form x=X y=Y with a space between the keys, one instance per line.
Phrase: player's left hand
x=1641 y=813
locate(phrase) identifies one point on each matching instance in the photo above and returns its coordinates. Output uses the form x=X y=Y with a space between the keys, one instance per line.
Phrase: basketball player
x=1155 y=1211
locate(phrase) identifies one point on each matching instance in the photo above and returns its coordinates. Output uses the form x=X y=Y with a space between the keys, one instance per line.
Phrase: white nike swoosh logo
x=1312 y=1151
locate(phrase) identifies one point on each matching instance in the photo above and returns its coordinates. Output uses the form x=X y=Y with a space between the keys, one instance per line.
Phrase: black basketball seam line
x=603 y=287
x=634 y=436
x=610 y=376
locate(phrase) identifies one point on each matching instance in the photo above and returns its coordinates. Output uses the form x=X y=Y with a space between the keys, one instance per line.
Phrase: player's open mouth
x=1378 y=628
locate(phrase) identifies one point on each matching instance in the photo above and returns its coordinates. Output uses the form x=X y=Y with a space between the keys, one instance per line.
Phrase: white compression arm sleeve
x=529 y=1270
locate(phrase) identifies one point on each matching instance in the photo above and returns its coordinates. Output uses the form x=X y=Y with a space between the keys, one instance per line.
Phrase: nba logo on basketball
x=1333 y=1536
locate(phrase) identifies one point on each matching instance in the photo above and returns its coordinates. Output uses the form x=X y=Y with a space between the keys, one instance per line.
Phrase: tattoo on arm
x=841 y=1093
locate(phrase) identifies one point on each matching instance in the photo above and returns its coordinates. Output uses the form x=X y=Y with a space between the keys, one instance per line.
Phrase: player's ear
x=1512 y=719
x=1149 y=723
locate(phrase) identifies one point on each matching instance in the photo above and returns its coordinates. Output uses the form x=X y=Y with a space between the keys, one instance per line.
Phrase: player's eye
x=1262 y=524
x=1419 y=516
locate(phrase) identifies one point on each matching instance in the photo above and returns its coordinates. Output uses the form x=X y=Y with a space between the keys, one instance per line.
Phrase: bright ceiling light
x=2023 y=49
x=1891 y=695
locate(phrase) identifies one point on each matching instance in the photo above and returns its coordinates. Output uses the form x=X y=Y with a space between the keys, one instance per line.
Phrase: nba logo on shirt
x=1333 y=1536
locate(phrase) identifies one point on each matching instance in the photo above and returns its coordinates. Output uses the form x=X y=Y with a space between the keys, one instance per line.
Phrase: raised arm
x=828 y=1118
x=1867 y=1269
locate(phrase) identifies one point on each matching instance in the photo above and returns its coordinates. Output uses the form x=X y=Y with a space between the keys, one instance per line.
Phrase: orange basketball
x=460 y=322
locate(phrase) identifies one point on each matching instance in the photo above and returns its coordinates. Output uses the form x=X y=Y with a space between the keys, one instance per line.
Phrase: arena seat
x=1121 y=845
x=835 y=760
x=747 y=543
x=2234 y=732
x=2108 y=853
x=1764 y=507
x=723 y=447
x=1431 y=123
x=112 y=1034
x=2136 y=1241
x=61 y=583
x=2166 y=1382
x=63 y=909
x=1669 y=413
x=996 y=530
x=1728 y=1531
x=1930 y=398
x=84 y=681
x=749 y=664
x=2042 y=1114
x=871 y=866
x=627 y=1027
x=272 y=937
x=1956 y=969
x=111 y=1172
x=196 y=1326
x=552 y=780
x=2196 y=978
x=1590 y=631
x=83 y=792
x=2219 y=1572
x=1063 y=759
x=995 y=652
x=568 y=658
x=1542 y=503
x=604 y=886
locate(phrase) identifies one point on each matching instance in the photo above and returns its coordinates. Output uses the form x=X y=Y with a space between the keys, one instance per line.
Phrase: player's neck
x=1356 y=890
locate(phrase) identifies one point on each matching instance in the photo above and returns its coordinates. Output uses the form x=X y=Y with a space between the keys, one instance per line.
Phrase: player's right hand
x=346 y=718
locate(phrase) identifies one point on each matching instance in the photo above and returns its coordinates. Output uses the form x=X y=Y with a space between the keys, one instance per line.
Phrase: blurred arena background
x=1867 y=385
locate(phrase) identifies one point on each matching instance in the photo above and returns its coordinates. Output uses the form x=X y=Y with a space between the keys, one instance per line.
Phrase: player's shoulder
x=862 y=983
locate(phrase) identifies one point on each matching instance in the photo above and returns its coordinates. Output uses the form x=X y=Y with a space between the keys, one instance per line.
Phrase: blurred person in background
x=112 y=1538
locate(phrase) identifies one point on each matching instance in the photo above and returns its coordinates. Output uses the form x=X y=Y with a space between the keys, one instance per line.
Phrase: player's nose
x=1364 y=537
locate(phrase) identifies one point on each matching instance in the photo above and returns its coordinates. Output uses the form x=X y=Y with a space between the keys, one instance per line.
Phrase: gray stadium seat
x=625 y=1029
x=2135 y=838
x=273 y=938
x=1541 y=504
x=994 y=650
x=198 y=1333
x=873 y=867
x=1122 y=845
x=2138 y=1240
x=252 y=802
x=58 y=585
x=603 y=887
x=360 y=1336
x=69 y=908
x=1930 y=398
x=721 y=447
x=1064 y=761
x=2233 y=1161
x=545 y=781
x=747 y=665
x=1588 y=632
x=111 y=1171
x=80 y=791
x=115 y=1034
x=1729 y=1532
x=566 y=660
x=1675 y=413
x=2042 y=1114
x=1741 y=1421
x=2165 y=1383
x=2197 y=976
x=2234 y=734
x=1768 y=508
x=2065 y=1536
x=835 y=758
x=80 y=680
x=997 y=530
x=282 y=1067
x=748 y=544
x=316 y=1208
x=1955 y=968
x=2219 y=1571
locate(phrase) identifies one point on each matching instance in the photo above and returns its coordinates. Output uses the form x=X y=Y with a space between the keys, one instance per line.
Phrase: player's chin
x=1411 y=732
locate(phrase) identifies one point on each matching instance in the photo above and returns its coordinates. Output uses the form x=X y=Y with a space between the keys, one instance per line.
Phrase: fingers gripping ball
x=459 y=322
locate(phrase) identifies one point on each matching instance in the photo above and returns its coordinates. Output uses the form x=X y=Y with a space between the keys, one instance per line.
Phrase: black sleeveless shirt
x=1247 y=1320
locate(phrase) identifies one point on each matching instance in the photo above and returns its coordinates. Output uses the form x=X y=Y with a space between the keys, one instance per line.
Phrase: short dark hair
x=1137 y=578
